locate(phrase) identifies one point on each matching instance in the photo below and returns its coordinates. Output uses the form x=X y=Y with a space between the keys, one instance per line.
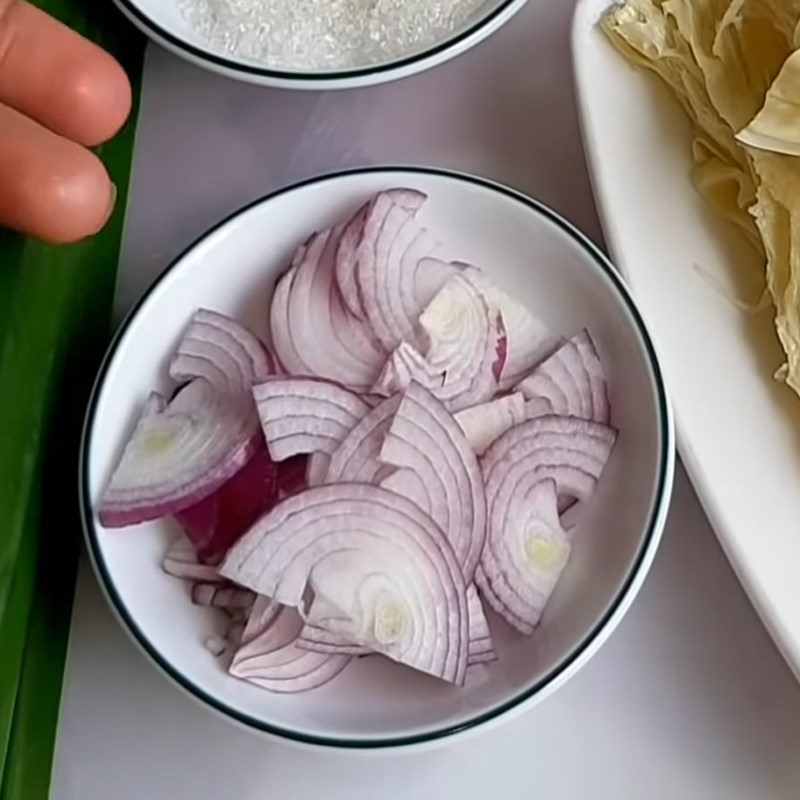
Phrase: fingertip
x=59 y=78
x=97 y=95
x=81 y=201
x=73 y=203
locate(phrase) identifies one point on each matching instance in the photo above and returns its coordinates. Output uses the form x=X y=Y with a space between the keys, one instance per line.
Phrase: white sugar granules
x=325 y=34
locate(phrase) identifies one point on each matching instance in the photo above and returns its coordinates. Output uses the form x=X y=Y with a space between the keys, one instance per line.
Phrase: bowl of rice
x=318 y=44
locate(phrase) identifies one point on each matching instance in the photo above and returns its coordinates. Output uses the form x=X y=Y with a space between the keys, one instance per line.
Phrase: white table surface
x=688 y=699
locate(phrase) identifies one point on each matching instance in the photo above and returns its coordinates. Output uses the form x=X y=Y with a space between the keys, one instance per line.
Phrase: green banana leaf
x=54 y=328
x=14 y=628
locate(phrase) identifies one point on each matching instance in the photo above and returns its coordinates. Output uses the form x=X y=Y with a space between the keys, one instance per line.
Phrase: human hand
x=59 y=94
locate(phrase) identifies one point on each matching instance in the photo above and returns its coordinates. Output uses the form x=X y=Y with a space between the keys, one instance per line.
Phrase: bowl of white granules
x=318 y=44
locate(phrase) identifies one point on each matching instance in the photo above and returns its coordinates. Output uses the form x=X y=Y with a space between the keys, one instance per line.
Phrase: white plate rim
x=583 y=651
x=690 y=459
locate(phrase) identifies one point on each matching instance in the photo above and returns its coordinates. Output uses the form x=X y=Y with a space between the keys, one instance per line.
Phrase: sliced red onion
x=223 y=352
x=306 y=415
x=379 y=570
x=537 y=407
x=286 y=353
x=525 y=472
x=570 y=382
x=224 y=596
x=396 y=275
x=572 y=451
x=318 y=640
x=462 y=349
x=366 y=241
x=289 y=669
x=216 y=645
x=481 y=649
x=529 y=339
x=425 y=440
x=264 y=614
x=180 y=561
x=181 y=452
x=272 y=660
x=531 y=553
x=233 y=634
x=346 y=260
x=356 y=458
x=313 y=333
x=482 y=424
x=218 y=520
x=482 y=658
x=317 y=468
x=409 y=484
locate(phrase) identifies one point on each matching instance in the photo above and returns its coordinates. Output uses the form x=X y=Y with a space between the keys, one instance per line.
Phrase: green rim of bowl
x=146 y=23
x=650 y=540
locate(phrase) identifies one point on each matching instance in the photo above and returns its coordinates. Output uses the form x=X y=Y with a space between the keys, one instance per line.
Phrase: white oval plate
x=163 y=21
x=535 y=255
x=738 y=430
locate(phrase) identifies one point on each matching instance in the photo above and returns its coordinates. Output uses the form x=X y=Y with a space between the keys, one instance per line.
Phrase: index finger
x=55 y=76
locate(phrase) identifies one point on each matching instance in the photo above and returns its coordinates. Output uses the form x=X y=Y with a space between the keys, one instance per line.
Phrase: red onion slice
x=306 y=415
x=570 y=450
x=462 y=349
x=286 y=353
x=481 y=649
x=529 y=339
x=570 y=382
x=380 y=571
x=317 y=468
x=181 y=452
x=264 y=614
x=313 y=333
x=318 y=640
x=526 y=471
x=389 y=223
x=356 y=458
x=272 y=660
x=528 y=554
x=385 y=269
x=223 y=352
x=218 y=520
x=425 y=440
x=367 y=237
x=409 y=484
x=346 y=260
x=482 y=424
x=180 y=561
x=225 y=596
x=396 y=274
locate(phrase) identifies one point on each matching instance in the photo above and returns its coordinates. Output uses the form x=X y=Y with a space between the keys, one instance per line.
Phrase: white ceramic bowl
x=163 y=21
x=541 y=259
